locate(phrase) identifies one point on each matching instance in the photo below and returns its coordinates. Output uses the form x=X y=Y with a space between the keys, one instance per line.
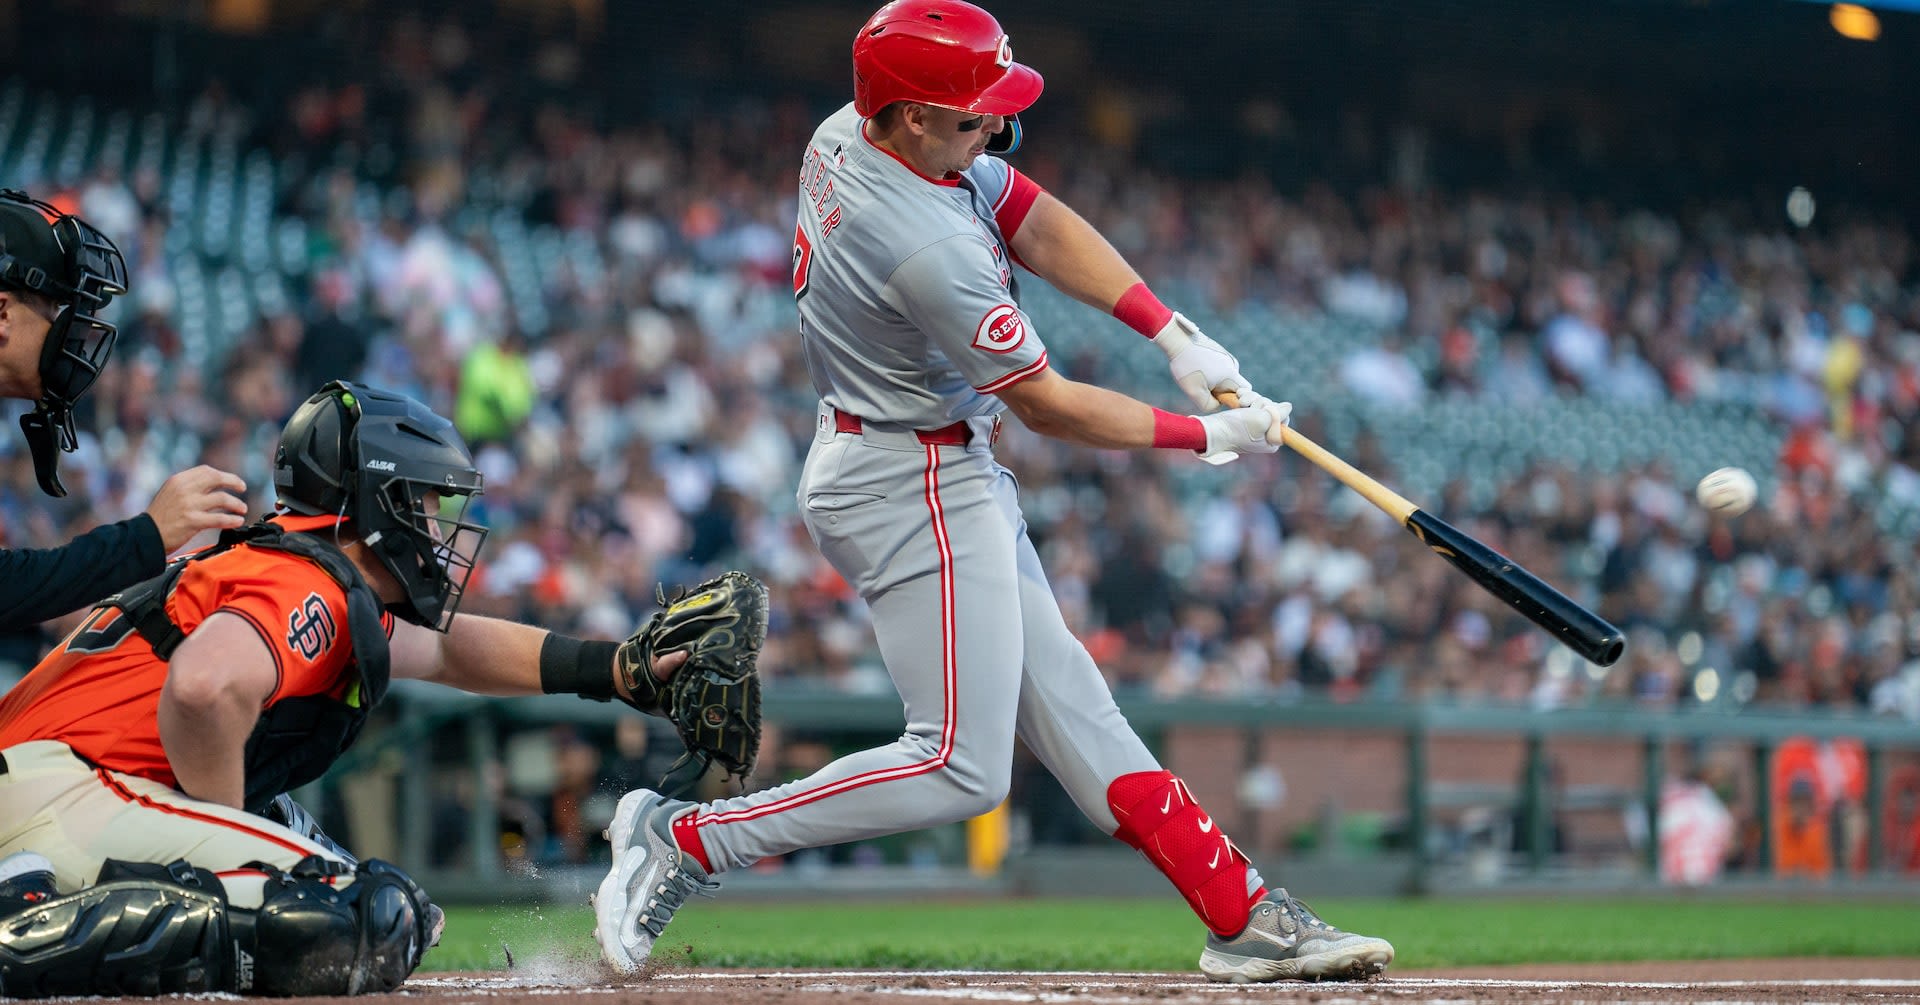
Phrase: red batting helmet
x=939 y=52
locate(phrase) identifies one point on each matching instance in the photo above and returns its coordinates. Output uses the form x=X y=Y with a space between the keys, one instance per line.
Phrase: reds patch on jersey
x=908 y=311
x=1002 y=330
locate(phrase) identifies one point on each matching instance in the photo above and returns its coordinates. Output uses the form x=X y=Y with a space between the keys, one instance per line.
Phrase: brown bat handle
x=1390 y=502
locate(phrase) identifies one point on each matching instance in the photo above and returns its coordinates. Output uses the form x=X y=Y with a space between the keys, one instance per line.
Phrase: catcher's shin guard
x=1160 y=819
x=141 y=929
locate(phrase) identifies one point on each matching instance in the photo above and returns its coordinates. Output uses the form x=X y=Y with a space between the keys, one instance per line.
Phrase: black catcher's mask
x=63 y=258
x=399 y=475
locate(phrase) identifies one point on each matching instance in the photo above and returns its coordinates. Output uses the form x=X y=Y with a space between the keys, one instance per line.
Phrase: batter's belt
x=960 y=434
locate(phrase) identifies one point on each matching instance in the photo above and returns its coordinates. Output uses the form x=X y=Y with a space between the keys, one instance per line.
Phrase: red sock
x=1159 y=817
x=687 y=836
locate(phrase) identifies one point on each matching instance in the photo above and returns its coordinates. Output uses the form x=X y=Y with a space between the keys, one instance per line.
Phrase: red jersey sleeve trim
x=1015 y=377
x=1015 y=203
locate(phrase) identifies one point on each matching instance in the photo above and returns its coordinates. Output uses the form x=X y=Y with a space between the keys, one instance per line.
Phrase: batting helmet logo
x=1002 y=330
x=939 y=52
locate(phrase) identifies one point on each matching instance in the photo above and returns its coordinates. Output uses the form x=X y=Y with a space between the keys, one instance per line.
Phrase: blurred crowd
x=634 y=392
x=605 y=312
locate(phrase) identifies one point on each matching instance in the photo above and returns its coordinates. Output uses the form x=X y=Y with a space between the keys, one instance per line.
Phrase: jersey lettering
x=310 y=629
x=802 y=260
x=817 y=190
x=103 y=630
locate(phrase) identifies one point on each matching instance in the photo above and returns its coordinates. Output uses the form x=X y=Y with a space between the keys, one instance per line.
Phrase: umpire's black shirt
x=36 y=584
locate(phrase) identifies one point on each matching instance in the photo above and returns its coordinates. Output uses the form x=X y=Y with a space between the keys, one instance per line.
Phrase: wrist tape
x=577 y=666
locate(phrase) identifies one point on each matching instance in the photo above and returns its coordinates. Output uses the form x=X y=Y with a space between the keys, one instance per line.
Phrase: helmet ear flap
x=316 y=470
x=1007 y=140
x=349 y=466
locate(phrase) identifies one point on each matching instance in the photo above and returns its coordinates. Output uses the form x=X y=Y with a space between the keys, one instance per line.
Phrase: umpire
x=57 y=274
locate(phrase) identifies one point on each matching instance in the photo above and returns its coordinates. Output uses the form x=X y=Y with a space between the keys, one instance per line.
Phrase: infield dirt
x=1810 y=980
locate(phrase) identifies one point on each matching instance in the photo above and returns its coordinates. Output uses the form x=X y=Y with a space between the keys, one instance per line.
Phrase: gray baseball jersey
x=910 y=323
x=905 y=284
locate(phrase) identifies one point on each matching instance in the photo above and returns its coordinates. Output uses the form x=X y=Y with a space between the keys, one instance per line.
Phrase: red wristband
x=1142 y=311
x=1178 y=431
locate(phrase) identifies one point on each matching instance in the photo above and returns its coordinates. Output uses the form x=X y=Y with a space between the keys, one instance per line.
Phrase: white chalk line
x=1076 y=982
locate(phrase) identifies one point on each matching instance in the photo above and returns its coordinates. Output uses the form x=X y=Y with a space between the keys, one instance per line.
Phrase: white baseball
x=1727 y=492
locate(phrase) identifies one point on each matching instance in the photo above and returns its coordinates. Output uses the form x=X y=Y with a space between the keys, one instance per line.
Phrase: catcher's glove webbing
x=713 y=699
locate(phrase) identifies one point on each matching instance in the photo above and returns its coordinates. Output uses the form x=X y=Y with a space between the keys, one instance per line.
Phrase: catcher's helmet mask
x=383 y=462
x=947 y=53
x=68 y=261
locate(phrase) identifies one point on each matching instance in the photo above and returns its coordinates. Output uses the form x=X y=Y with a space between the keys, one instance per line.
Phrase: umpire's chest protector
x=295 y=739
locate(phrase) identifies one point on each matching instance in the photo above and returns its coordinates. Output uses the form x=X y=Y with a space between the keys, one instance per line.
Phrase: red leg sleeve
x=1160 y=819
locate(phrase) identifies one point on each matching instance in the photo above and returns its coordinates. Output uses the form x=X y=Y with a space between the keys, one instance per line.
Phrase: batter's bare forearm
x=1066 y=251
x=1091 y=416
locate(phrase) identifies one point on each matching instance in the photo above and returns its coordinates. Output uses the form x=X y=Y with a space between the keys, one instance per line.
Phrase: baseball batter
x=903 y=268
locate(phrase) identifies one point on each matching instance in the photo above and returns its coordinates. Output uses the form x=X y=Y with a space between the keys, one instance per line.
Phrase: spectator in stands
x=1576 y=346
x=1903 y=823
x=1802 y=841
x=1697 y=832
x=497 y=391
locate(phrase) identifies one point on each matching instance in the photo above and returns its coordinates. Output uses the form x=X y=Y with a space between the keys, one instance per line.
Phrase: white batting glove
x=1253 y=428
x=1199 y=365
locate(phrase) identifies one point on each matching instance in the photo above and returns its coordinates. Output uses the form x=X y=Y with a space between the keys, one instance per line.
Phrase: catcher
x=149 y=845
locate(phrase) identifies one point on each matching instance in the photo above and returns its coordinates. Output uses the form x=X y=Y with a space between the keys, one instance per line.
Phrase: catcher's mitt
x=713 y=699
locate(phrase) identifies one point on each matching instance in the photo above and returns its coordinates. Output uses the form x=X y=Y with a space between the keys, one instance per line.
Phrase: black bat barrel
x=1577 y=628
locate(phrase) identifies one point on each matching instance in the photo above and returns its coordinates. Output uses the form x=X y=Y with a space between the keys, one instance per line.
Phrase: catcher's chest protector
x=296 y=739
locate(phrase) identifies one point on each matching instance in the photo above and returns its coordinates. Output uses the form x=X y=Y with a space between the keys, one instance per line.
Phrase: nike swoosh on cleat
x=1216 y=859
x=1168 y=805
x=1206 y=824
x=1275 y=939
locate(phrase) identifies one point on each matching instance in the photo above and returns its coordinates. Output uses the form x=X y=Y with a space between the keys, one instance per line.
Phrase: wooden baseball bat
x=1576 y=627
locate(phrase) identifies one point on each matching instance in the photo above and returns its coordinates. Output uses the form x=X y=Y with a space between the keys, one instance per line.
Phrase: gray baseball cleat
x=651 y=877
x=1285 y=940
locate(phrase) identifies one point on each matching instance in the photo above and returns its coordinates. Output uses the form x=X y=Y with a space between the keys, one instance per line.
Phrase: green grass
x=1160 y=934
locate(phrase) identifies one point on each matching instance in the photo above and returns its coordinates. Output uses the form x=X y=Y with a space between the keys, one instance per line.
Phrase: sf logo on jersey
x=310 y=628
x=1002 y=330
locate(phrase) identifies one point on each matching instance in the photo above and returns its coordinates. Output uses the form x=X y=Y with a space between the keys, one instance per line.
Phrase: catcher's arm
x=694 y=664
x=490 y=656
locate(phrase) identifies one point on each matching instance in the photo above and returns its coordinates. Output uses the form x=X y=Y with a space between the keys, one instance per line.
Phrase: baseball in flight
x=1727 y=491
